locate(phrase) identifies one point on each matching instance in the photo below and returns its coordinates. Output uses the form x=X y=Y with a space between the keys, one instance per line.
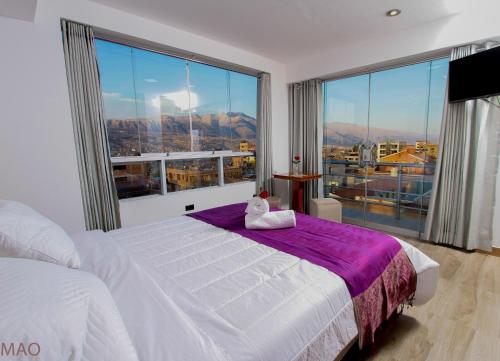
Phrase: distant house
x=408 y=155
x=246 y=146
x=431 y=149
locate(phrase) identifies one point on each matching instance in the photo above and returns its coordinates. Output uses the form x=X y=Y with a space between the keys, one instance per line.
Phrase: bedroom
x=382 y=80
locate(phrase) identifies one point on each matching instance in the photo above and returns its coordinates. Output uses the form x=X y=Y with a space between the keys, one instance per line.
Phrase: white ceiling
x=18 y=9
x=281 y=29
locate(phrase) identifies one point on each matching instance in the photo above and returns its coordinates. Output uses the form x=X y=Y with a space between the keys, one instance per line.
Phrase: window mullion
x=188 y=82
x=163 y=175
x=221 y=171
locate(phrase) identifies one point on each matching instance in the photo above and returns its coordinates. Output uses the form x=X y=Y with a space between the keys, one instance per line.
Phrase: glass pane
x=239 y=169
x=345 y=129
x=162 y=102
x=118 y=94
x=398 y=124
x=137 y=179
x=439 y=78
x=405 y=112
x=192 y=173
x=209 y=97
x=243 y=96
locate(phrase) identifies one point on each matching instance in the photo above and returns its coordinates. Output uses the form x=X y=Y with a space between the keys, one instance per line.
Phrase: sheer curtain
x=100 y=201
x=305 y=102
x=264 y=171
x=463 y=198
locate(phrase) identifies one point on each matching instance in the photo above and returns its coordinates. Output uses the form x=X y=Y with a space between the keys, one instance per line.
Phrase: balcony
x=388 y=194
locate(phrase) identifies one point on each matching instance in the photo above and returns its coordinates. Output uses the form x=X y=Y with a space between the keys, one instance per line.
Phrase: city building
x=246 y=146
x=389 y=147
x=430 y=149
x=190 y=177
x=409 y=156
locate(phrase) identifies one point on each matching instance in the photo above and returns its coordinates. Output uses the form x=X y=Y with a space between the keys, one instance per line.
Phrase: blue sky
x=398 y=98
x=139 y=83
x=145 y=84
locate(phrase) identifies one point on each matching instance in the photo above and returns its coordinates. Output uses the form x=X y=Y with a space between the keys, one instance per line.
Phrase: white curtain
x=100 y=201
x=305 y=113
x=264 y=171
x=486 y=170
x=463 y=198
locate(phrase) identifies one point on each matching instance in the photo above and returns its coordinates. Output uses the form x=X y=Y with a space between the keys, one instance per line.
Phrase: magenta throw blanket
x=374 y=266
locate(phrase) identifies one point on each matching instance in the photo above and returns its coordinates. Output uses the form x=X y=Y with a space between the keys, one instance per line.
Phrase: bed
x=188 y=290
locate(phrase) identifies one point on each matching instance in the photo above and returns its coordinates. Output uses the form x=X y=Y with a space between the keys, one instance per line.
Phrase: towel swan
x=259 y=217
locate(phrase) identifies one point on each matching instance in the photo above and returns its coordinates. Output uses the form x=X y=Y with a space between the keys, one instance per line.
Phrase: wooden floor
x=461 y=322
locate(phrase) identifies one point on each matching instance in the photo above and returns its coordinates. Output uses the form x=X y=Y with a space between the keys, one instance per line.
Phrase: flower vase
x=296 y=169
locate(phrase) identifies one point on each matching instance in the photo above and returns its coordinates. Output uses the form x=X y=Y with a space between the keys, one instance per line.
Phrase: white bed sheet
x=190 y=291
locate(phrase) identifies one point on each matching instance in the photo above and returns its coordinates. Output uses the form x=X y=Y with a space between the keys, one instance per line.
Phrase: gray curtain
x=305 y=112
x=462 y=201
x=100 y=202
x=264 y=169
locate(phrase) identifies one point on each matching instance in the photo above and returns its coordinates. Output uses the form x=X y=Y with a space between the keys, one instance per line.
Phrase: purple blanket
x=374 y=266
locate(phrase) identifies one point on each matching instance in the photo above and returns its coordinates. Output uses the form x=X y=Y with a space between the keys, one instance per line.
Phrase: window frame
x=182 y=155
x=369 y=70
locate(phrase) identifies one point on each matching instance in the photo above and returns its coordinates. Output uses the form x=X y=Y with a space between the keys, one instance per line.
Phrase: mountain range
x=171 y=133
x=224 y=130
x=348 y=135
x=239 y=125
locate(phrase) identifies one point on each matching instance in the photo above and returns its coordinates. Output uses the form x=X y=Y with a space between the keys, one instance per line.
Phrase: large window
x=178 y=117
x=380 y=145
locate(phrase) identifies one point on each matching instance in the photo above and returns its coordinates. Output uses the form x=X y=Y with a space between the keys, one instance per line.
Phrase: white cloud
x=111 y=95
x=182 y=99
x=117 y=97
x=151 y=80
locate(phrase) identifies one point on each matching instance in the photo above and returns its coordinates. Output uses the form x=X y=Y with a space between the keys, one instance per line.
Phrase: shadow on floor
x=398 y=326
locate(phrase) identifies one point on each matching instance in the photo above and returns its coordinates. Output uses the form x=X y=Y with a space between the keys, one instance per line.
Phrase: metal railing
x=420 y=173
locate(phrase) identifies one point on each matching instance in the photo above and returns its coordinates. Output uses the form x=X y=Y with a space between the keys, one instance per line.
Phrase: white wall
x=36 y=139
x=156 y=208
x=37 y=153
x=476 y=22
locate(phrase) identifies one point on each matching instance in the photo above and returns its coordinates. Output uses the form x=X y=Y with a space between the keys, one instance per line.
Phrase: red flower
x=297 y=157
x=264 y=194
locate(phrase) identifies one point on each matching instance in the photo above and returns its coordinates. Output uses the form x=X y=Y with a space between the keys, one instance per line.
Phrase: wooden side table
x=298 y=181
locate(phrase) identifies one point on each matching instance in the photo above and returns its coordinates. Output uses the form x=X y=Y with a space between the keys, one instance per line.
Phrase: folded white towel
x=257 y=206
x=271 y=220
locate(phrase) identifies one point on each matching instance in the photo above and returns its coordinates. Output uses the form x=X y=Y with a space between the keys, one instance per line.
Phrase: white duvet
x=49 y=312
x=191 y=291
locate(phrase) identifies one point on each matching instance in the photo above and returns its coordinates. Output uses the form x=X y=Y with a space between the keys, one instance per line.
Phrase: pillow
x=24 y=233
x=50 y=312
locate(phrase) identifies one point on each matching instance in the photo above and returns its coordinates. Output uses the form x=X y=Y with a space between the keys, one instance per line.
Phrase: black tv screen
x=475 y=76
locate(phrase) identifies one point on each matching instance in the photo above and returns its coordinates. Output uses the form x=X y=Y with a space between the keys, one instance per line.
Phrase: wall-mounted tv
x=475 y=76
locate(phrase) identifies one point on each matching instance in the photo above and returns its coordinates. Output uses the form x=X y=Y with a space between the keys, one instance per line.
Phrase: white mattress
x=189 y=290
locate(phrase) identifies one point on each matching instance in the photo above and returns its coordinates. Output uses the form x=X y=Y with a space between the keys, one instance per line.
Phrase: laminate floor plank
x=461 y=322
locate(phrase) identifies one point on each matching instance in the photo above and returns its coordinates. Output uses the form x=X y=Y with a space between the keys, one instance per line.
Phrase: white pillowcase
x=64 y=314
x=24 y=233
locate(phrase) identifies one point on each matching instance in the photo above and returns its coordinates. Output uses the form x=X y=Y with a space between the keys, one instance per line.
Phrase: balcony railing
x=162 y=174
x=398 y=186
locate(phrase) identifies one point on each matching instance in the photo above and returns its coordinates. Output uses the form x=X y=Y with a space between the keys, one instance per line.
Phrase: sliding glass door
x=381 y=143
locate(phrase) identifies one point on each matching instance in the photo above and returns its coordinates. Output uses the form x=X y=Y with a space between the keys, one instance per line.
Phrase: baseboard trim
x=494 y=252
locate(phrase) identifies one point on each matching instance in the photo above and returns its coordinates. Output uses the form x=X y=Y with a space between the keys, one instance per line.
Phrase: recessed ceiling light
x=393 y=12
